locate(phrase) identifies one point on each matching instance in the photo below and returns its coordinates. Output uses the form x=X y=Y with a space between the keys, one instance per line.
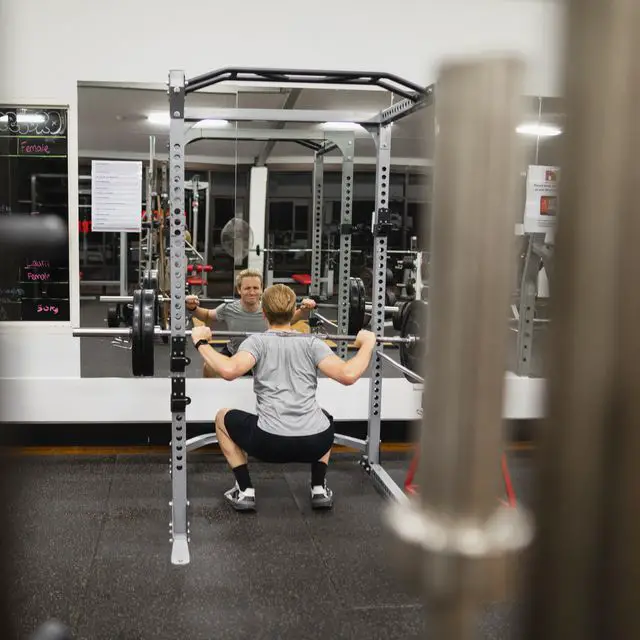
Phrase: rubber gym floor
x=91 y=548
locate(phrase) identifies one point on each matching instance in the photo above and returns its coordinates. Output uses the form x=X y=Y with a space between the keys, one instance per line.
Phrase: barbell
x=258 y=250
x=358 y=306
x=143 y=331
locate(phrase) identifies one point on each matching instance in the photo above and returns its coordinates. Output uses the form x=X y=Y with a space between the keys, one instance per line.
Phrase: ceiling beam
x=289 y=103
x=319 y=135
x=278 y=115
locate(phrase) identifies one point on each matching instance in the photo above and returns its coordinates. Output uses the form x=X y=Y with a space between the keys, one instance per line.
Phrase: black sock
x=242 y=477
x=318 y=473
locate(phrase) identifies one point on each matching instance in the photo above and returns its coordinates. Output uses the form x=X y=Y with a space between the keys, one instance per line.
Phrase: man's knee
x=220 y=418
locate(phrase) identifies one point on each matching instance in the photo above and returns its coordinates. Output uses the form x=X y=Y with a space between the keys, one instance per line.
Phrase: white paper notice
x=541 y=207
x=116 y=195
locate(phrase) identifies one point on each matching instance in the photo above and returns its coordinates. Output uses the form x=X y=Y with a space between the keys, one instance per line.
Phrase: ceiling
x=114 y=121
x=113 y=124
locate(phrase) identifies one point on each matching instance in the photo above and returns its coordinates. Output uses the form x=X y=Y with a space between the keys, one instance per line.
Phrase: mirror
x=235 y=157
x=33 y=182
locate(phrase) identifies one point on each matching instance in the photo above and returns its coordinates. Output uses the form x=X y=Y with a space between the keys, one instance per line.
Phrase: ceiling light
x=159 y=117
x=211 y=124
x=349 y=126
x=541 y=130
x=26 y=118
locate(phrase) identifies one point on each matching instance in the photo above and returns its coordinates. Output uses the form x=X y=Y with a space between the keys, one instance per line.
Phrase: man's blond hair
x=247 y=273
x=279 y=304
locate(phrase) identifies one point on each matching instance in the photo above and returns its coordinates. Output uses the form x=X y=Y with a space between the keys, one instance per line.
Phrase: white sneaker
x=321 y=497
x=241 y=500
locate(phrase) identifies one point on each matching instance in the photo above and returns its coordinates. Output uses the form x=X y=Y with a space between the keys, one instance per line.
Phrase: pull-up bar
x=389 y=81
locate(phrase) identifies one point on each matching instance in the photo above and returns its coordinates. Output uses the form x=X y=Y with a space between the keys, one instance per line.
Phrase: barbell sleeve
x=306 y=250
x=99 y=332
x=368 y=306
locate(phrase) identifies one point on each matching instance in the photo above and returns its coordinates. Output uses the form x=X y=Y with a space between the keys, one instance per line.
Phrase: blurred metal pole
x=585 y=568
x=20 y=236
x=459 y=528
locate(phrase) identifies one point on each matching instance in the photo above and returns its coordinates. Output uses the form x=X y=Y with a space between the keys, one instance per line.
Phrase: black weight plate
x=397 y=316
x=366 y=276
x=403 y=312
x=356 y=305
x=389 y=297
x=391 y=278
x=137 y=359
x=150 y=280
x=414 y=323
x=147 y=335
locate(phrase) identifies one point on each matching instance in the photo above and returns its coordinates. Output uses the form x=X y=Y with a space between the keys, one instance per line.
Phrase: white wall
x=46 y=48
x=68 y=400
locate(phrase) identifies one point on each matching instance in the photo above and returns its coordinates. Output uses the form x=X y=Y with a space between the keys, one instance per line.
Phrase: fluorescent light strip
x=334 y=126
x=26 y=118
x=541 y=130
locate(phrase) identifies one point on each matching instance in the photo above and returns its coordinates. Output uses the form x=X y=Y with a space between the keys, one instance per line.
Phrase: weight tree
x=413 y=97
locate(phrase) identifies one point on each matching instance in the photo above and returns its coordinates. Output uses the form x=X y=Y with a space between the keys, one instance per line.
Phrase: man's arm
x=302 y=312
x=208 y=316
x=349 y=371
x=225 y=367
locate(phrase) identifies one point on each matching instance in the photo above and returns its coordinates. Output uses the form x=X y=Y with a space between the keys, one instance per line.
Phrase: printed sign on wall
x=541 y=207
x=116 y=192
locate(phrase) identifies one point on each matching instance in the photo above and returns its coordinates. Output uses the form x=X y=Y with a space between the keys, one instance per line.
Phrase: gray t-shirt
x=285 y=379
x=238 y=319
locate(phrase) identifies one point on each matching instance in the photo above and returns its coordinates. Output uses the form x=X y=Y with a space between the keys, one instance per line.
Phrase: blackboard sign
x=34 y=180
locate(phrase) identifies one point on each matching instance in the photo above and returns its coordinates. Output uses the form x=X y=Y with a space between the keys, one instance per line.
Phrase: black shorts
x=243 y=429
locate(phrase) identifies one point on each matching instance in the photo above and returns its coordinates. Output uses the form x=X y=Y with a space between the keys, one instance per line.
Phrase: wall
x=46 y=48
x=140 y=400
x=118 y=40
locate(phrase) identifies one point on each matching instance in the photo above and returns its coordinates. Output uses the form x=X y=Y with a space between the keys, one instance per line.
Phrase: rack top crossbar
x=389 y=81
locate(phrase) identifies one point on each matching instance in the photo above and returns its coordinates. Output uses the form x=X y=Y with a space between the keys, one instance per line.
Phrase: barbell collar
x=99 y=332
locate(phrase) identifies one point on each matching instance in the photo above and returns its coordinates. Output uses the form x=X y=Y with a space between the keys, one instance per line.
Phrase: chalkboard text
x=47 y=308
